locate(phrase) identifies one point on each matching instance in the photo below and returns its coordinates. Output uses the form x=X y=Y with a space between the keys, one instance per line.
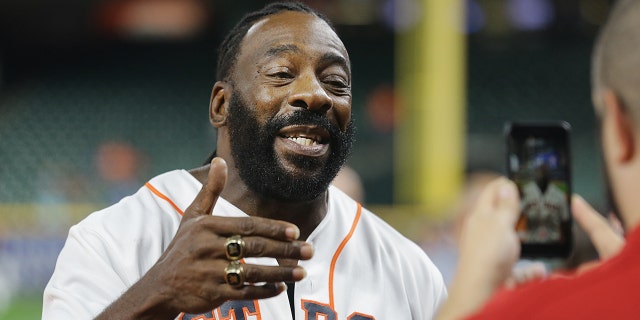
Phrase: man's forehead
x=293 y=26
x=284 y=19
x=256 y=26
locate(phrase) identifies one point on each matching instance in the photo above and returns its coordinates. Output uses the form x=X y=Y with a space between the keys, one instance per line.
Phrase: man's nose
x=308 y=93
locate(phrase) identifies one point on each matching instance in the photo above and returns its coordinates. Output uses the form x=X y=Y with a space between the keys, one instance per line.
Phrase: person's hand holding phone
x=489 y=247
x=606 y=238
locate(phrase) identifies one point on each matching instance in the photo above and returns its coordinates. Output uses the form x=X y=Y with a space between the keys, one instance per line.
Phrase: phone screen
x=538 y=161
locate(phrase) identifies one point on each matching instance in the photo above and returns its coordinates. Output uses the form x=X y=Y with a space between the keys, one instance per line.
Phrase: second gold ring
x=234 y=274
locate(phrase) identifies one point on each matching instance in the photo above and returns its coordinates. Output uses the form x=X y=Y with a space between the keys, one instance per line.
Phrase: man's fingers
x=604 y=238
x=260 y=247
x=255 y=292
x=211 y=190
x=507 y=200
x=526 y=272
x=252 y=226
x=486 y=199
x=269 y=279
x=500 y=195
x=272 y=274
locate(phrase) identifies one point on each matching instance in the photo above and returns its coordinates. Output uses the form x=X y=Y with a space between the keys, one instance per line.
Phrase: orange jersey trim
x=336 y=255
x=163 y=197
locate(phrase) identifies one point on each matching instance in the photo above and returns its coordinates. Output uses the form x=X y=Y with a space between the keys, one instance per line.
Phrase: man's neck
x=306 y=215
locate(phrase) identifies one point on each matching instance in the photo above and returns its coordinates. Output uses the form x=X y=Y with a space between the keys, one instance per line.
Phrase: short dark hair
x=616 y=60
x=230 y=46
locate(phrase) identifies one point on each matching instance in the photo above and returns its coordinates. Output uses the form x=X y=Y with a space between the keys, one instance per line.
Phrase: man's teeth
x=303 y=141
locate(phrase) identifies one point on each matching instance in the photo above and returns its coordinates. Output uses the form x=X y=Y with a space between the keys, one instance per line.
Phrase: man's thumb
x=507 y=200
x=211 y=190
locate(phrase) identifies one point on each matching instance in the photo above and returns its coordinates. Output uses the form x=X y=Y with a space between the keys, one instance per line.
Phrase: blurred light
x=380 y=108
x=356 y=12
x=530 y=15
x=401 y=15
x=496 y=23
x=348 y=12
x=153 y=19
x=594 y=12
x=118 y=161
x=475 y=17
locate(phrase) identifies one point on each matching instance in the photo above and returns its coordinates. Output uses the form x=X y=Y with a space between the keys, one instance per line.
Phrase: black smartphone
x=538 y=161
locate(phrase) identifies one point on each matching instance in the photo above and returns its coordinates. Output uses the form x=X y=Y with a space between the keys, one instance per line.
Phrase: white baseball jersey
x=361 y=268
x=544 y=211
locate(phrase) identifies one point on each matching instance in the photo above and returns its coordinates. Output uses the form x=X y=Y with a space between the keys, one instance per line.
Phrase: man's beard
x=252 y=149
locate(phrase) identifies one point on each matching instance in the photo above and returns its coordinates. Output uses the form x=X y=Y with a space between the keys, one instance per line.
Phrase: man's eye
x=337 y=82
x=282 y=75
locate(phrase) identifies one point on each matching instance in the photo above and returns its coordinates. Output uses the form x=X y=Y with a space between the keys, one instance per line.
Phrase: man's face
x=542 y=176
x=289 y=121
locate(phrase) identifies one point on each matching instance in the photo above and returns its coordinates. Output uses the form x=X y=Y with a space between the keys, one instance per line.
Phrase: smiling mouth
x=306 y=135
x=305 y=141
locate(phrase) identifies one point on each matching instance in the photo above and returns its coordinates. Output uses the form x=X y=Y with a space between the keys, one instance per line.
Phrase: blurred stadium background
x=97 y=96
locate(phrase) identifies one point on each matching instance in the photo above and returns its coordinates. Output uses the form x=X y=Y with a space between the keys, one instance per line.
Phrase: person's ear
x=219 y=103
x=621 y=124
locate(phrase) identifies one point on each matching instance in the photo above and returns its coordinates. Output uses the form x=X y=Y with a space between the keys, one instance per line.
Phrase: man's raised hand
x=190 y=275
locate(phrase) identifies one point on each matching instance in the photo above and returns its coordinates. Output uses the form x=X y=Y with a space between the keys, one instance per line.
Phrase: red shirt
x=609 y=291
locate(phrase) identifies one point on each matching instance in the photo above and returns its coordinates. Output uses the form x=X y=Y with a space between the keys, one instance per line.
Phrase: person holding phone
x=490 y=245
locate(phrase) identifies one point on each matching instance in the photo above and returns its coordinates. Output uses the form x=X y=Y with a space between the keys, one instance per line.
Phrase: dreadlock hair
x=230 y=46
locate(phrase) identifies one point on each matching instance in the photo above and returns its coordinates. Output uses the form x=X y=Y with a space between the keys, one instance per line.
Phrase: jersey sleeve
x=84 y=281
x=106 y=253
x=428 y=284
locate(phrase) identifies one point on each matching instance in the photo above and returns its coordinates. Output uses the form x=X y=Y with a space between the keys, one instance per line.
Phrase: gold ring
x=234 y=274
x=234 y=247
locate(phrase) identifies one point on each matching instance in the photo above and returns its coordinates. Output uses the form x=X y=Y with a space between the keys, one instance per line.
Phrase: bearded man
x=221 y=241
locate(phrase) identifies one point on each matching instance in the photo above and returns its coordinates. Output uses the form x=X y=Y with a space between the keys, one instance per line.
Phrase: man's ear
x=218 y=106
x=621 y=124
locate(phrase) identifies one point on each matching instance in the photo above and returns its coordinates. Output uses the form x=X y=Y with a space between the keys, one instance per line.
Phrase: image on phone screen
x=538 y=162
